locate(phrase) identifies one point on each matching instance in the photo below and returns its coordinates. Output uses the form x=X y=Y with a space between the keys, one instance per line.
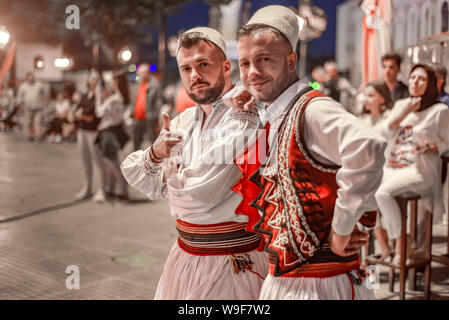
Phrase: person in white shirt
x=377 y=104
x=214 y=257
x=418 y=134
x=112 y=137
x=62 y=109
x=312 y=254
x=32 y=97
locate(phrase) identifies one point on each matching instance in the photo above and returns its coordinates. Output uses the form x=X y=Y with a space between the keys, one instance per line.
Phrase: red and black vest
x=293 y=206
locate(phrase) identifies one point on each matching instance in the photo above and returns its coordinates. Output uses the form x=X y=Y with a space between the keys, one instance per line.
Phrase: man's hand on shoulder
x=239 y=98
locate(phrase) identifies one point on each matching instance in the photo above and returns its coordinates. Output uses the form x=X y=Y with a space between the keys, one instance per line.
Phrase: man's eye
x=204 y=64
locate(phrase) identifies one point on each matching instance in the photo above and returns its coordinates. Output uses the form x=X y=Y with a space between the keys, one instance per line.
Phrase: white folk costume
x=323 y=170
x=214 y=257
x=377 y=122
x=405 y=170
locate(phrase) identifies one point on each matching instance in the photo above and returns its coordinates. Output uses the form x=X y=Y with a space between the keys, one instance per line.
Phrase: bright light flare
x=62 y=63
x=125 y=55
x=4 y=36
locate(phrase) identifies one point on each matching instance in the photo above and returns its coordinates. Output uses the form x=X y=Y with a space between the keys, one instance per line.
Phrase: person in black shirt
x=391 y=66
x=87 y=122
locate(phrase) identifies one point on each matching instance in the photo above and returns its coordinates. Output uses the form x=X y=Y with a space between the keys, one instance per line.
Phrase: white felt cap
x=208 y=34
x=280 y=18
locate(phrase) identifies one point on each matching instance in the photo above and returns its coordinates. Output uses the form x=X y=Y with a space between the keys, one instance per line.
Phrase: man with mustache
x=214 y=257
x=320 y=176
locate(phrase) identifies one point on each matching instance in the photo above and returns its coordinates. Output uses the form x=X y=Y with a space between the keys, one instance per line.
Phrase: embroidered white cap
x=280 y=18
x=208 y=34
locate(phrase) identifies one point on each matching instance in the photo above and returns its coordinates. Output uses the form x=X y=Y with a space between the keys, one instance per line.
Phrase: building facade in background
x=419 y=33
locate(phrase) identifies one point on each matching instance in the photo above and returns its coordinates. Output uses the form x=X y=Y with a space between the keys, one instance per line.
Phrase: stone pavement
x=119 y=248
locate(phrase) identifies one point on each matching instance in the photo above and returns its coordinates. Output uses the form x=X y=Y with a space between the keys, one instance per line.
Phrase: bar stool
x=403 y=266
x=444 y=259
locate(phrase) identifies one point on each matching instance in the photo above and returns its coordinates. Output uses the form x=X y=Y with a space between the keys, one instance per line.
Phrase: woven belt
x=324 y=264
x=216 y=239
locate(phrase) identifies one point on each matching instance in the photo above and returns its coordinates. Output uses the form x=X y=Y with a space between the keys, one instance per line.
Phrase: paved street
x=119 y=248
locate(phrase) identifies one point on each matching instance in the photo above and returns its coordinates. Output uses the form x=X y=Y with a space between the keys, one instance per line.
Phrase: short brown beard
x=212 y=94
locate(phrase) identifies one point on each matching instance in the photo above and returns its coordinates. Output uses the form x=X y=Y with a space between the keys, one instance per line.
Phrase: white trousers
x=332 y=288
x=90 y=153
x=395 y=182
x=191 y=277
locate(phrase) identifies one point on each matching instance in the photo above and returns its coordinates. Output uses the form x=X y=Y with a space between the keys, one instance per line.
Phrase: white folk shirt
x=334 y=136
x=199 y=192
x=414 y=130
x=377 y=122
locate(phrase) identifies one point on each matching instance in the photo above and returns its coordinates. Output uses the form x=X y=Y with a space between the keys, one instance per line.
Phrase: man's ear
x=291 y=60
x=227 y=67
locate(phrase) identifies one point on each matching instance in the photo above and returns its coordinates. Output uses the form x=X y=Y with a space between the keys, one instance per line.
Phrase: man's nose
x=253 y=71
x=195 y=75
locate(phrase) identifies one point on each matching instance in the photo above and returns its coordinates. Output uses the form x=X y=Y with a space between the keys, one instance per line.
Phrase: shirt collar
x=280 y=106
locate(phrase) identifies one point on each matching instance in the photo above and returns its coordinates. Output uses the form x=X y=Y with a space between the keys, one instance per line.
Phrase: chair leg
x=391 y=280
x=402 y=268
x=427 y=270
x=414 y=237
x=371 y=242
x=447 y=249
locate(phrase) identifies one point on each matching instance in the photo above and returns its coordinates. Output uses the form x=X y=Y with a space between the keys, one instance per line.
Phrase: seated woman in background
x=62 y=109
x=377 y=104
x=417 y=132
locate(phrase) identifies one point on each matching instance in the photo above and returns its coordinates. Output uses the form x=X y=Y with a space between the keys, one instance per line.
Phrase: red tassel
x=241 y=262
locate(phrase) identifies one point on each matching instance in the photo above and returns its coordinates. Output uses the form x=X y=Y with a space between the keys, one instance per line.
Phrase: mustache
x=258 y=79
x=199 y=82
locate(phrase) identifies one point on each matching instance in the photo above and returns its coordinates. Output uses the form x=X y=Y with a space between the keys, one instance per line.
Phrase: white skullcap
x=280 y=18
x=208 y=34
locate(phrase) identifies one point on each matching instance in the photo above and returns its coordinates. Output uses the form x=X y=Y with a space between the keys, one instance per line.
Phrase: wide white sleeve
x=442 y=119
x=396 y=112
x=144 y=175
x=334 y=136
x=207 y=183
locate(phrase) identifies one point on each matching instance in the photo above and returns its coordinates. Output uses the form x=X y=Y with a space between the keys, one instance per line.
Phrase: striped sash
x=216 y=239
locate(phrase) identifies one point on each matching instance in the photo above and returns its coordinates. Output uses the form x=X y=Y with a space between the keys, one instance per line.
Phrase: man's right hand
x=239 y=98
x=347 y=245
x=166 y=140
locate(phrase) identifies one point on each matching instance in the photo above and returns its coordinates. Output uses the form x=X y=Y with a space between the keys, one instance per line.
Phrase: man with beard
x=214 y=257
x=319 y=179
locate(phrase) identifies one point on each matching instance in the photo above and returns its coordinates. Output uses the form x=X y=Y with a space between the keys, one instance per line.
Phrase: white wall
x=26 y=51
